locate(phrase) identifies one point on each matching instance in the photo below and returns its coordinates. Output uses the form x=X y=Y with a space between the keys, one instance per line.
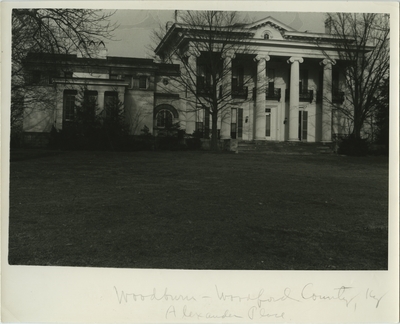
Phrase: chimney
x=168 y=25
x=93 y=50
x=102 y=53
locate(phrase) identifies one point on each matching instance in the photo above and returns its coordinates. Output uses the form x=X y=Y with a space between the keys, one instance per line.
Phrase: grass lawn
x=199 y=210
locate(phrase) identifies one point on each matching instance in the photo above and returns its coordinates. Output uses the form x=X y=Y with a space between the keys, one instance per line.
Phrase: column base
x=293 y=140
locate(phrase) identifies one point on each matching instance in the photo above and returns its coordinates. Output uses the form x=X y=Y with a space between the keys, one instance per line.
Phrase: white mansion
x=286 y=88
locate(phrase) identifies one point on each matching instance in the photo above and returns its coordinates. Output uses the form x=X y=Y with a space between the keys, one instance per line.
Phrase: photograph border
x=105 y=295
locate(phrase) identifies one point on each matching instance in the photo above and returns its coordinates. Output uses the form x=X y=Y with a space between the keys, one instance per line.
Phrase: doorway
x=270 y=124
x=236 y=123
x=303 y=125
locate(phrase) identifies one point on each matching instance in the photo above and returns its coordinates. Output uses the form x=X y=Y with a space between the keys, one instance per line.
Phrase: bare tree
x=381 y=118
x=363 y=48
x=205 y=45
x=52 y=31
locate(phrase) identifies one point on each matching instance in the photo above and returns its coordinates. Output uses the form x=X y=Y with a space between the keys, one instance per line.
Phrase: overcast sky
x=135 y=27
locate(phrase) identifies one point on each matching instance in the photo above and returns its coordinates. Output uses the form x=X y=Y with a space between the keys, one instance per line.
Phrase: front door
x=236 y=123
x=270 y=124
x=303 y=124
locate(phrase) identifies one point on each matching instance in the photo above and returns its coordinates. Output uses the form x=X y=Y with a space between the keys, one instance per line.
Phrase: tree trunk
x=358 y=122
x=214 y=131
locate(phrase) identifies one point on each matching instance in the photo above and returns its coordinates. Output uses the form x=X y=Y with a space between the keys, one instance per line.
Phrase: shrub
x=193 y=143
x=169 y=143
x=144 y=142
x=353 y=146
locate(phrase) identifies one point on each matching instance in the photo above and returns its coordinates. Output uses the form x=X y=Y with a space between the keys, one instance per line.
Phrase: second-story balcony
x=239 y=92
x=337 y=97
x=304 y=96
x=273 y=94
x=204 y=90
x=270 y=94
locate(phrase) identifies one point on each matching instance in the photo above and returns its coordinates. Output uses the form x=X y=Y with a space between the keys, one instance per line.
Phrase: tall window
x=199 y=129
x=206 y=67
x=111 y=105
x=143 y=82
x=271 y=81
x=90 y=104
x=236 y=123
x=164 y=118
x=202 y=125
x=237 y=77
x=337 y=95
x=233 y=123
x=303 y=125
x=240 y=123
x=335 y=80
x=139 y=82
x=203 y=77
x=268 y=122
x=69 y=105
x=303 y=82
x=206 y=124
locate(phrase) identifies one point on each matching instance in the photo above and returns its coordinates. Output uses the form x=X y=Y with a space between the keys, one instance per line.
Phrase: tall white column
x=327 y=100
x=227 y=89
x=294 y=98
x=191 y=99
x=259 y=113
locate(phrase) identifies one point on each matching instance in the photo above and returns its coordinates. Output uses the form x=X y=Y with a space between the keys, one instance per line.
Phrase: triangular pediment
x=269 y=21
x=268 y=28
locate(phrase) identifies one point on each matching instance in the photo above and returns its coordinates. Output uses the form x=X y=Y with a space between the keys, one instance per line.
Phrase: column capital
x=294 y=59
x=327 y=61
x=260 y=57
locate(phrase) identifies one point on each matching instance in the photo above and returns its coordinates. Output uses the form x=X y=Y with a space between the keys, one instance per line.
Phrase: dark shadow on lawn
x=195 y=210
x=28 y=154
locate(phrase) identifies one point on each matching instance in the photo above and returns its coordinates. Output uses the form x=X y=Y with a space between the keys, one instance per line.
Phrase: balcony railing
x=269 y=94
x=303 y=96
x=204 y=90
x=337 y=97
x=306 y=96
x=273 y=94
x=239 y=92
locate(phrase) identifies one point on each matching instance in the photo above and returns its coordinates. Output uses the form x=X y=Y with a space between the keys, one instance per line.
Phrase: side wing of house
x=113 y=85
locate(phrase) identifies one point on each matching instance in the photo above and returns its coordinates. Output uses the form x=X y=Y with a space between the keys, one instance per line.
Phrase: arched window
x=267 y=35
x=164 y=118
